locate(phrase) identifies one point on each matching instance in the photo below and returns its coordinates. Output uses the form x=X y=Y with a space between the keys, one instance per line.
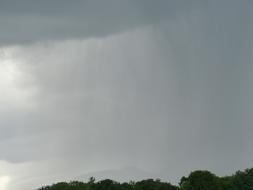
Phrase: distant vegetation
x=197 y=180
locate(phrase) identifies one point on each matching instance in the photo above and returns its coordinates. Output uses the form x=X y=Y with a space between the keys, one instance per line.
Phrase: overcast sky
x=124 y=89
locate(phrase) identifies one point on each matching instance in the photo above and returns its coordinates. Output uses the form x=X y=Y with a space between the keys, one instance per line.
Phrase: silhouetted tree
x=197 y=180
x=200 y=180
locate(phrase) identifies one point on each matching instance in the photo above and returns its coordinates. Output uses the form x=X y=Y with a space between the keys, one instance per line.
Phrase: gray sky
x=124 y=89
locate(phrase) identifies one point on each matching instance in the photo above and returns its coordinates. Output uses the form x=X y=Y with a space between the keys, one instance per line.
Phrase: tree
x=200 y=180
x=227 y=183
x=197 y=180
x=150 y=184
x=243 y=180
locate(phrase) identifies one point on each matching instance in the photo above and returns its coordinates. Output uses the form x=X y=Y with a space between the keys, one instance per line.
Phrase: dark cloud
x=29 y=21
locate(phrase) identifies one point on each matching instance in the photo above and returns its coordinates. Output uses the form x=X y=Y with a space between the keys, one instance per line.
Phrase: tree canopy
x=197 y=180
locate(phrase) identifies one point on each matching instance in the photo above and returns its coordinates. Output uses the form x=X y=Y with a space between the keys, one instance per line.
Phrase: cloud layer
x=28 y=21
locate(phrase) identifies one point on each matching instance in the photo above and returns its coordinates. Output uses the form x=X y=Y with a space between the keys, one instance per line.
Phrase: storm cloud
x=28 y=21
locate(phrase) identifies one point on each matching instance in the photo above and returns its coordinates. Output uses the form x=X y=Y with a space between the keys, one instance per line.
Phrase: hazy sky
x=135 y=87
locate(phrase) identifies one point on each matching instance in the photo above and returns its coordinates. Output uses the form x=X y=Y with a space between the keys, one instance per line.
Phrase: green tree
x=243 y=180
x=227 y=183
x=150 y=184
x=200 y=180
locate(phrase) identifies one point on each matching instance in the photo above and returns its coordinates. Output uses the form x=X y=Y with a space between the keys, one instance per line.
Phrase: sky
x=125 y=89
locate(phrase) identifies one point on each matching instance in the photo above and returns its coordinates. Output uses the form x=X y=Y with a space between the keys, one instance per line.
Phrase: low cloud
x=28 y=21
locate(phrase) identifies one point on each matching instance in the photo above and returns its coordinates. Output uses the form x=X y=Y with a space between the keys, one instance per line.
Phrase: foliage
x=197 y=180
x=200 y=180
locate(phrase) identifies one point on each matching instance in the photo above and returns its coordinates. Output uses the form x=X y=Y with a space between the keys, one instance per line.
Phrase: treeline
x=197 y=180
